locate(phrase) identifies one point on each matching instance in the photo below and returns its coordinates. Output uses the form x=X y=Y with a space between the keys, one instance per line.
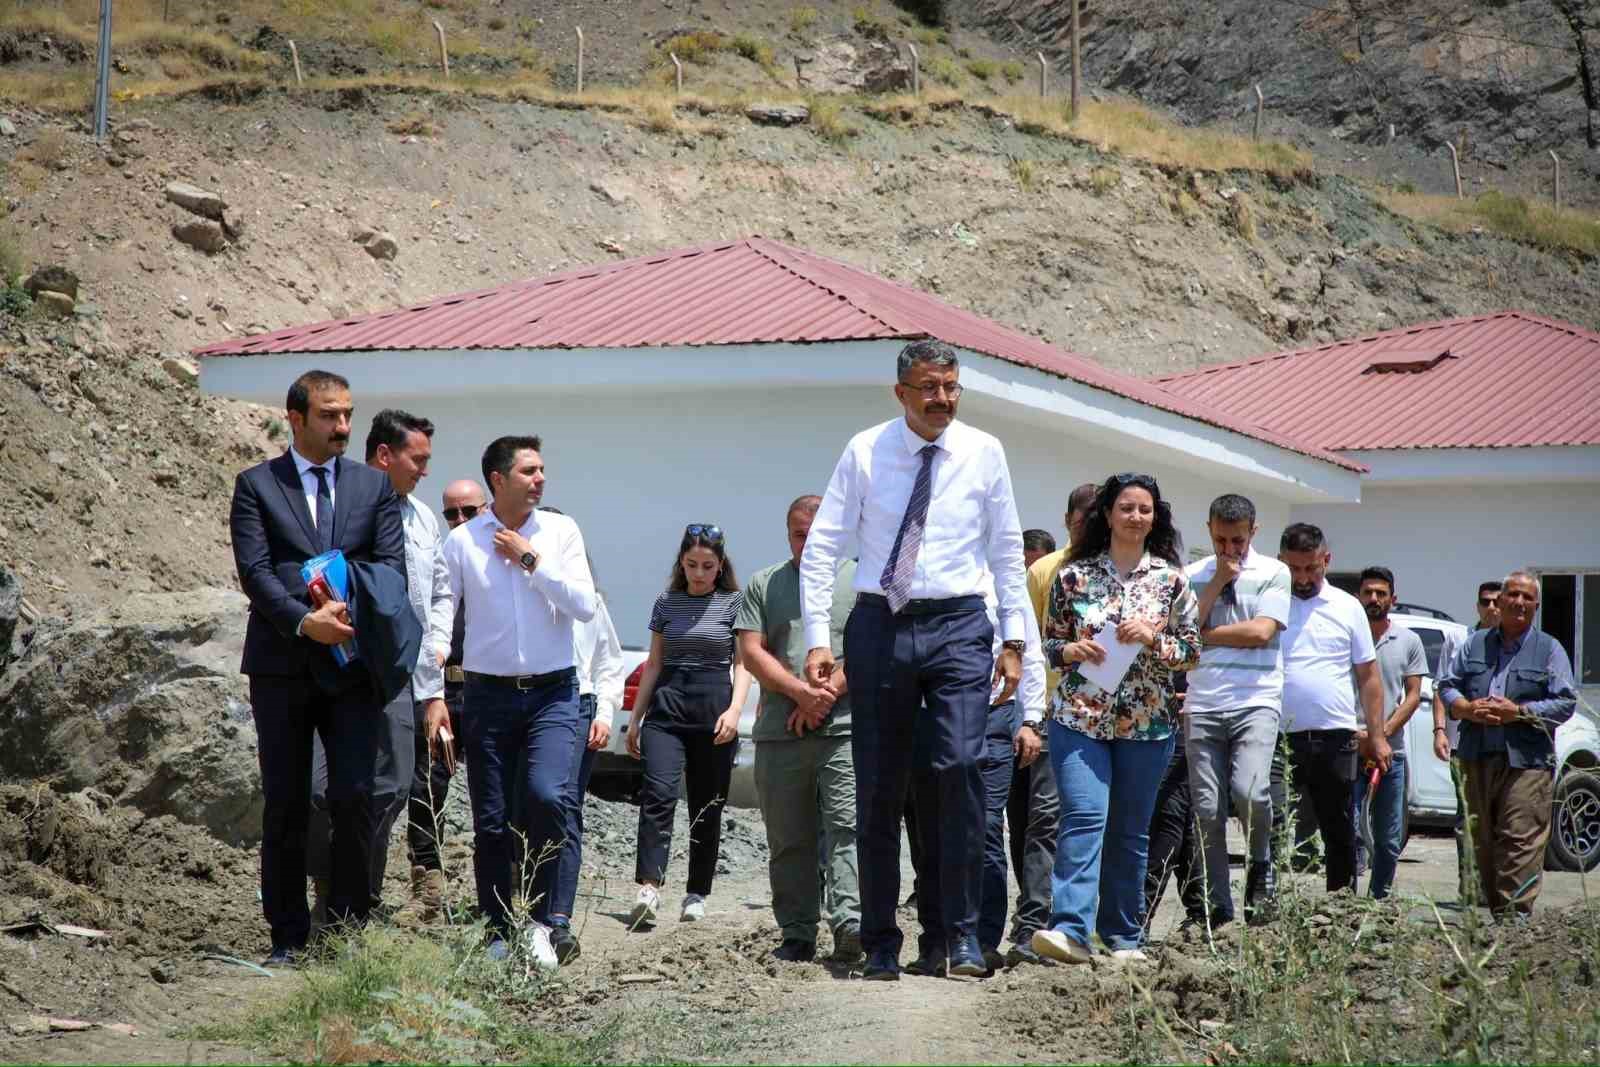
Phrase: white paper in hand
x=1108 y=674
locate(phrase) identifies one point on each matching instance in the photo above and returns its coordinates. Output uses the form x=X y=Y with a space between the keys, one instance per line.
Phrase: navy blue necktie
x=324 y=509
x=902 y=564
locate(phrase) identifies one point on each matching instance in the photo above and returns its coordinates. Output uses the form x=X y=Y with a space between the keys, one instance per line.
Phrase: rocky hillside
x=1499 y=80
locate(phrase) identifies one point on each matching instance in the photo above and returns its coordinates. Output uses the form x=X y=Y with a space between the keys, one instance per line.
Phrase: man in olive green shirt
x=803 y=768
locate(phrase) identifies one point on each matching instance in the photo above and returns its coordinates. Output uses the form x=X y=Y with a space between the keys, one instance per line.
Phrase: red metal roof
x=1489 y=381
x=746 y=291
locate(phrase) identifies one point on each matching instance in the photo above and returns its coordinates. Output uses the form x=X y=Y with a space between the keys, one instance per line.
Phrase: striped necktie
x=902 y=565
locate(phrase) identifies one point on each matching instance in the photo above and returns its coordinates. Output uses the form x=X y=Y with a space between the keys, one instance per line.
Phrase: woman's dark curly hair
x=1163 y=541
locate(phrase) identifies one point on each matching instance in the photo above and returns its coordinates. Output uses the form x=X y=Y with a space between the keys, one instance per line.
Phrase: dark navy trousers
x=521 y=744
x=919 y=698
x=577 y=784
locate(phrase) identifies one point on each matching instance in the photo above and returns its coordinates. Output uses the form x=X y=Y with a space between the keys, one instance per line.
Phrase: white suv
x=1431 y=797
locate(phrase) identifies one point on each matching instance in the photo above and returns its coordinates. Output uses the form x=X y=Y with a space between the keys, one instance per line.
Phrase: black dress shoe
x=1021 y=950
x=282 y=957
x=966 y=958
x=793 y=950
x=882 y=966
x=565 y=942
x=927 y=965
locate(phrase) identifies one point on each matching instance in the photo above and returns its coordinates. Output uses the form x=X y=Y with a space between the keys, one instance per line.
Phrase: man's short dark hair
x=391 y=427
x=1038 y=541
x=1082 y=498
x=1302 y=537
x=502 y=453
x=1490 y=587
x=936 y=353
x=1231 y=507
x=805 y=505
x=311 y=381
x=1379 y=574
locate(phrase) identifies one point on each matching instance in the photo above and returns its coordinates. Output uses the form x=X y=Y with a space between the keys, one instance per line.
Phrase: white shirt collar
x=915 y=443
x=303 y=466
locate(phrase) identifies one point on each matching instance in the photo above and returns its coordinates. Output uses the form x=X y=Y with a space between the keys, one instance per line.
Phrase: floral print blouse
x=1088 y=600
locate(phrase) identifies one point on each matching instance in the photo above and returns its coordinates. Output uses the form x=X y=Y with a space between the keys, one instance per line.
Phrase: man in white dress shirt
x=525 y=582
x=928 y=501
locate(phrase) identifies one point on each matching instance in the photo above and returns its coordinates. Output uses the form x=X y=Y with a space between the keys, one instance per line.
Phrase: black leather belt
x=524 y=681
x=945 y=606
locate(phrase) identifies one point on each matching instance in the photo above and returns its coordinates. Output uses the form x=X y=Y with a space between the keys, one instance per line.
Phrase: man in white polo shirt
x=1235 y=699
x=1326 y=639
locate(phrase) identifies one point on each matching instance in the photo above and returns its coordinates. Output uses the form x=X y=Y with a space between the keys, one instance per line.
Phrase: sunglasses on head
x=466 y=511
x=704 y=530
x=1130 y=478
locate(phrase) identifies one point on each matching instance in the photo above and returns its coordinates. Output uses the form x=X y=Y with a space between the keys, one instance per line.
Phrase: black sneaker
x=793 y=950
x=1021 y=950
x=565 y=942
x=847 y=943
x=928 y=966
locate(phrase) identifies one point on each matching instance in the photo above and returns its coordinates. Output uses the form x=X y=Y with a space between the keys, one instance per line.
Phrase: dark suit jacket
x=273 y=534
x=388 y=633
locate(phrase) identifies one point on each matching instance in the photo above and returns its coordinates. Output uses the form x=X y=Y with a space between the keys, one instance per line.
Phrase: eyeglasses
x=708 y=531
x=1488 y=601
x=466 y=511
x=929 y=392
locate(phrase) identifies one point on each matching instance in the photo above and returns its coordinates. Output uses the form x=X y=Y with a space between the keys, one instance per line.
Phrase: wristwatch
x=529 y=561
x=1019 y=647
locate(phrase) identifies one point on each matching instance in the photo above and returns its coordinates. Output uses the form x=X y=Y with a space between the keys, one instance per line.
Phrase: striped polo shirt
x=1231 y=678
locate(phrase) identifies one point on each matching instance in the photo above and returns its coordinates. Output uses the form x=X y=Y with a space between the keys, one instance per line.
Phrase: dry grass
x=47 y=150
x=802 y=18
x=1132 y=130
x=145 y=36
x=1104 y=179
x=828 y=121
x=414 y=123
x=1013 y=70
x=1538 y=224
x=1242 y=217
x=1026 y=174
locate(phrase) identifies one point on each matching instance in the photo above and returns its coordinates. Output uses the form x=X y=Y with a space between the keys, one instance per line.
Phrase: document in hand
x=1108 y=674
x=327 y=577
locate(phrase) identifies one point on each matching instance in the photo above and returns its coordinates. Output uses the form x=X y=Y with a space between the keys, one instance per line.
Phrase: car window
x=1432 y=645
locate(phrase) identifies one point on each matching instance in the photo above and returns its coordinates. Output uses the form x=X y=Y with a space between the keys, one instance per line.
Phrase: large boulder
x=201 y=234
x=202 y=202
x=845 y=65
x=53 y=280
x=144 y=702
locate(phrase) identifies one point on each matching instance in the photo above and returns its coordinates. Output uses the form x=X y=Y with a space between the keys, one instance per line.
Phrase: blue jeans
x=528 y=734
x=1108 y=793
x=999 y=761
x=577 y=785
x=1388 y=811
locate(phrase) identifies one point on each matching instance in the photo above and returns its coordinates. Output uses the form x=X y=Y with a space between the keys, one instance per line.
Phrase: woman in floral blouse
x=1123 y=581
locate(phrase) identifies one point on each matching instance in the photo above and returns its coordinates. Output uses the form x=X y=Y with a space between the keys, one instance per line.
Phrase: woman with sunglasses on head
x=1123 y=582
x=686 y=718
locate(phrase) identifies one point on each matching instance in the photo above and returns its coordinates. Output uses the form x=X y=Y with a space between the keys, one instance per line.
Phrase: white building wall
x=1441 y=542
x=634 y=467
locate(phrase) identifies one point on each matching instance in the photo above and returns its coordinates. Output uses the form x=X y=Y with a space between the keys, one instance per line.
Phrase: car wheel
x=1575 y=823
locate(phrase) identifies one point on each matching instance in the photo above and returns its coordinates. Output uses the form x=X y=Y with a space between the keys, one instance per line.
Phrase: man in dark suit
x=285 y=511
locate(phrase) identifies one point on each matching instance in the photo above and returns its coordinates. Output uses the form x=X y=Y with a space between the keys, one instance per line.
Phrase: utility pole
x=102 y=88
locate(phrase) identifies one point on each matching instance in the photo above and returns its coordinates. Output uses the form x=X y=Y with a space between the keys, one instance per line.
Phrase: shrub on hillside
x=931 y=12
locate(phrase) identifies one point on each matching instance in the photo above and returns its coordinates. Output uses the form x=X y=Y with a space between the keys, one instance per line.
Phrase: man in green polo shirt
x=805 y=774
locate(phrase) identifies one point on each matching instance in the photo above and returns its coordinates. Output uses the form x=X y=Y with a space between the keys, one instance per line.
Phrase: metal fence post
x=1555 y=183
x=102 y=88
x=916 y=70
x=294 y=53
x=1255 y=134
x=1455 y=168
x=444 y=54
x=678 y=67
x=1044 y=75
x=1077 y=56
x=580 y=57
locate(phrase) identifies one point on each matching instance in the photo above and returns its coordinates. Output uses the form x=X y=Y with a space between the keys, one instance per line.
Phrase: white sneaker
x=1129 y=955
x=694 y=908
x=536 y=941
x=644 y=908
x=1055 y=945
